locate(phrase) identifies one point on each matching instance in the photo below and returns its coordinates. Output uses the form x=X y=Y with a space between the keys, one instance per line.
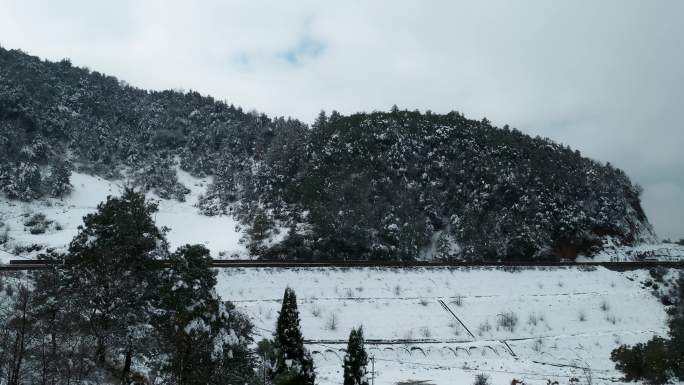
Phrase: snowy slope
x=187 y=225
x=567 y=319
x=644 y=251
x=221 y=234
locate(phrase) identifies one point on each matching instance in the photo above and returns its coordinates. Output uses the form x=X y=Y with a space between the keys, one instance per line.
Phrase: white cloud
x=603 y=77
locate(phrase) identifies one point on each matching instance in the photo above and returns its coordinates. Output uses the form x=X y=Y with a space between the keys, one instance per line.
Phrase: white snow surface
x=568 y=319
x=220 y=234
x=671 y=252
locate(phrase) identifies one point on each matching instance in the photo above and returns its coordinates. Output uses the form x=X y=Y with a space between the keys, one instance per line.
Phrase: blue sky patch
x=306 y=47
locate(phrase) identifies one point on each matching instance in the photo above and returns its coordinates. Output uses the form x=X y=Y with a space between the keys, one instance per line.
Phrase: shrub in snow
x=647 y=362
x=397 y=290
x=332 y=322
x=508 y=321
x=37 y=223
x=582 y=316
x=481 y=379
x=484 y=327
x=356 y=359
x=349 y=292
x=604 y=306
x=538 y=345
x=533 y=319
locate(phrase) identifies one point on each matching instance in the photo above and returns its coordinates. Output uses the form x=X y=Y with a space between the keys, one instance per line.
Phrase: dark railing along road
x=25 y=264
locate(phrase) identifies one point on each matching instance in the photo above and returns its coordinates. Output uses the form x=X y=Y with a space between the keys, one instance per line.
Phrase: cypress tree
x=356 y=359
x=294 y=365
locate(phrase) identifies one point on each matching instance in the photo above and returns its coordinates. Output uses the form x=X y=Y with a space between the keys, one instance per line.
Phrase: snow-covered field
x=187 y=225
x=567 y=319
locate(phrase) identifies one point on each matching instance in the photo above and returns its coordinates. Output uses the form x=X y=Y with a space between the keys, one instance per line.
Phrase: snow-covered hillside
x=642 y=252
x=220 y=234
x=533 y=324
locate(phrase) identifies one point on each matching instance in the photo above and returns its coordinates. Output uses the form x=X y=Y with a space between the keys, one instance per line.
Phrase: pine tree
x=111 y=272
x=676 y=333
x=356 y=359
x=23 y=181
x=203 y=338
x=258 y=232
x=294 y=365
x=58 y=182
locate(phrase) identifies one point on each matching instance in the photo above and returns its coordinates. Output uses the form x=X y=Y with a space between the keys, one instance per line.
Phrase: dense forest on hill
x=396 y=184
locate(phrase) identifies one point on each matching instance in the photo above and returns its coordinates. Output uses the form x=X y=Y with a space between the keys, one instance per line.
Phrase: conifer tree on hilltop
x=294 y=365
x=356 y=359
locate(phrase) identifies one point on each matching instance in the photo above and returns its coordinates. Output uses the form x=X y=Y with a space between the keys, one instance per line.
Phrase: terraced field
x=445 y=325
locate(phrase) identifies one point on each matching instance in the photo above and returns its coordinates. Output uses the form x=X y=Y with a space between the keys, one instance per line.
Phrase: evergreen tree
x=294 y=365
x=644 y=361
x=676 y=333
x=111 y=273
x=58 y=182
x=22 y=181
x=356 y=359
x=259 y=231
x=205 y=340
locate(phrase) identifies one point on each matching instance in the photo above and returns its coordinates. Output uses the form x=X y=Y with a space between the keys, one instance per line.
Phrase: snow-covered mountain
x=397 y=184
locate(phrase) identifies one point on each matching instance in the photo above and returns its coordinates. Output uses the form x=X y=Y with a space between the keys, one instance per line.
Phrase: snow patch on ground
x=220 y=234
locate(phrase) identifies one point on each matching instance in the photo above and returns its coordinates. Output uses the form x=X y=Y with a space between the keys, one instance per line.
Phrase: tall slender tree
x=356 y=359
x=294 y=365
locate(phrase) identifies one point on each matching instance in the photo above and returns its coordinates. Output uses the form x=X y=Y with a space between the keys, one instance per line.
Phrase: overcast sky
x=604 y=77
